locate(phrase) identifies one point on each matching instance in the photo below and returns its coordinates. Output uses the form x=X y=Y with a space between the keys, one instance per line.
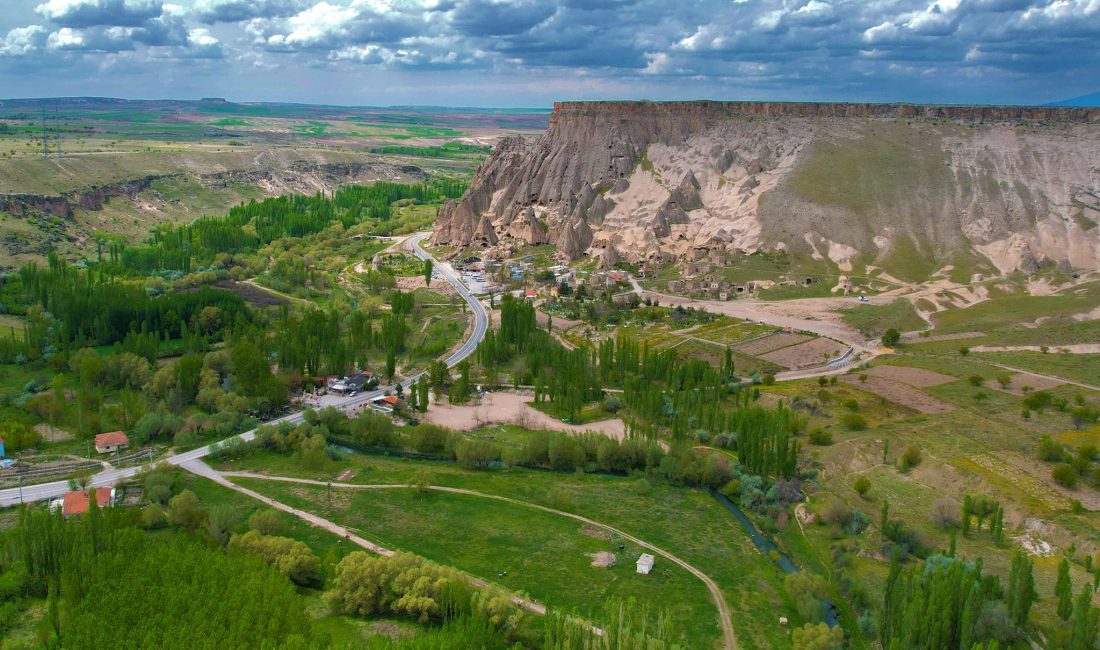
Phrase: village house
x=645 y=563
x=109 y=443
x=352 y=384
x=76 y=503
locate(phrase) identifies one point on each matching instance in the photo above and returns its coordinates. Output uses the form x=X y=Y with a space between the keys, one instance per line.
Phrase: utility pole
x=57 y=125
x=45 y=135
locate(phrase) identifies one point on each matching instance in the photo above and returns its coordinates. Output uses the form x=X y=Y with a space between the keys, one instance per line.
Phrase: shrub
x=964 y=351
x=612 y=404
x=768 y=379
x=891 y=337
x=854 y=421
x=821 y=437
x=852 y=405
x=912 y=456
x=1051 y=451
x=1065 y=475
x=976 y=380
x=862 y=485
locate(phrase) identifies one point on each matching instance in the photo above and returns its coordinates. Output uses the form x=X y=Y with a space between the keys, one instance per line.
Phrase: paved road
x=41 y=491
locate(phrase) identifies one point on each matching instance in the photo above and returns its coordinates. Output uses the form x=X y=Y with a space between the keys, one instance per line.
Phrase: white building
x=645 y=563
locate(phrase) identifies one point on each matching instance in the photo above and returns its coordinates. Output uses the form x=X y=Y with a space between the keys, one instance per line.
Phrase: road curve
x=54 y=489
x=729 y=639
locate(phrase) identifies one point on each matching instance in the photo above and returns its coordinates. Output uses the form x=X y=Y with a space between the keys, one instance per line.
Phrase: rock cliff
x=996 y=188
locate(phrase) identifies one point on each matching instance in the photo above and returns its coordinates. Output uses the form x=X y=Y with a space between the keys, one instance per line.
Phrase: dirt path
x=202 y=469
x=724 y=617
x=817 y=315
x=1050 y=377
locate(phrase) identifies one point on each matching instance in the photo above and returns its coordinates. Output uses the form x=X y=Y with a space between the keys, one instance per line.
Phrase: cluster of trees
x=407 y=585
x=68 y=308
x=175 y=590
x=249 y=226
x=945 y=602
x=626 y=624
x=979 y=507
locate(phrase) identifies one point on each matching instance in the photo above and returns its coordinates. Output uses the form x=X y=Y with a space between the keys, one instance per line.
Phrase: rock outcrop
x=997 y=186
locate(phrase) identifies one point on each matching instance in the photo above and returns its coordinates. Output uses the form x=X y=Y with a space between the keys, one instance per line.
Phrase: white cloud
x=23 y=41
x=658 y=63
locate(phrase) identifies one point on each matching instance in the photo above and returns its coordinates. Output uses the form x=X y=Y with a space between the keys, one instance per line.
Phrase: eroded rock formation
x=999 y=186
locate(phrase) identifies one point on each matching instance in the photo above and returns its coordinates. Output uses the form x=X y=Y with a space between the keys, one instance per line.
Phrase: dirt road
x=724 y=617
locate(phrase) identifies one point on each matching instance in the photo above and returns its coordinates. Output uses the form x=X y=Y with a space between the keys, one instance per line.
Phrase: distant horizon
x=1063 y=103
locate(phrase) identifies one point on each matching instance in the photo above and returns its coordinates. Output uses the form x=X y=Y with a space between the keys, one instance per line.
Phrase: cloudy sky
x=532 y=52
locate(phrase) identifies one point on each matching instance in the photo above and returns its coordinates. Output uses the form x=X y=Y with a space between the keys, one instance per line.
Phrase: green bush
x=820 y=437
x=862 y=485
x=1065 y=475
x=854 y=421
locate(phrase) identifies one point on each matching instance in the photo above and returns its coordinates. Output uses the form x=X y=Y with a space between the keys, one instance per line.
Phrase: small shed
x=1 y=447
x=111 y=442
x=645 y=563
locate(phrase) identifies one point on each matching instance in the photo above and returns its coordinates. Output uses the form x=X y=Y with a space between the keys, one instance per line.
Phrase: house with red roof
x=77 y=503
x=111 y=442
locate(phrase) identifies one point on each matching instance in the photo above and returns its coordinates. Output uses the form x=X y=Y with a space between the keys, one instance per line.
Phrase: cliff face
x=1011 y=186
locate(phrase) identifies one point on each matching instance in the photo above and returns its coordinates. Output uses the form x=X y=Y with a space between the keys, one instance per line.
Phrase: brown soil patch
x=602 y=559
x=346 y=475
x=765 y=344
x=811 y=353
x=413 y=282
x=251 y=293
x=900 y=393
x=1021 y=380
x=918 y=377
x=52 y=434
x=512 y=408
x=392 y=630
x=593 y=531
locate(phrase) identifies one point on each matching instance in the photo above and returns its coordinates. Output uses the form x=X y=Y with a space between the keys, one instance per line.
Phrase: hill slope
x=911 y=189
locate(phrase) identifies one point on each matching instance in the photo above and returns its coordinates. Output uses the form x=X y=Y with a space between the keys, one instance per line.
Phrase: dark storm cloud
x=232 y=11
x=483 y=18
x=93 y=13
x=931 y=50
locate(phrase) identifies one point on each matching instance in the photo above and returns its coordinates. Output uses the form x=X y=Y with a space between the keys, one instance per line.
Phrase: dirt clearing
x=815 y=352
x=900 y=393
x=513 y=408
x=916 y=377
x=1020 y=381
x=765 y=344
x=602 y=559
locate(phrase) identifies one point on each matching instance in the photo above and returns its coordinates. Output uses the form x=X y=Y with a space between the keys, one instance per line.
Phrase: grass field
x=653 y=512
x=874 y=319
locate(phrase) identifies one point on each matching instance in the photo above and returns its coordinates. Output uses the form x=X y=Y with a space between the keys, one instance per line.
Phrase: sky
x=530 y=53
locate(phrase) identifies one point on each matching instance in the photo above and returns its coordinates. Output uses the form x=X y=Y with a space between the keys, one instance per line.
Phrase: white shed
x=645 y=563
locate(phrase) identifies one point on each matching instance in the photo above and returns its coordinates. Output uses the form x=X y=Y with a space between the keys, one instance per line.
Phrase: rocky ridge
x=1012 y=187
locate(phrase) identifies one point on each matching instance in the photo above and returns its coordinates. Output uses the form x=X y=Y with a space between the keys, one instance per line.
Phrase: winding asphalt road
x=54 y=489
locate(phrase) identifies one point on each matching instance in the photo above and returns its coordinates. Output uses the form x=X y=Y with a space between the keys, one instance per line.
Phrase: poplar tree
x=1063 y=591
x=1021 y=588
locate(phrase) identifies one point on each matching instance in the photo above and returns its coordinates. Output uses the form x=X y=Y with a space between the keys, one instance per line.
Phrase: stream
x=767 y=546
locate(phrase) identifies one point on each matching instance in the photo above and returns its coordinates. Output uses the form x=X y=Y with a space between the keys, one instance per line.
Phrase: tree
x=1021 y=588
x=220 y=522
x=292 y=558
x=1085 y=622
x=862 y=485
x=1063 y=591
x=185 y=510
x=1065 y=475
x=427 y=272
x=967 y=510
x=891 y=337
x=818 y=637
x=267 y=522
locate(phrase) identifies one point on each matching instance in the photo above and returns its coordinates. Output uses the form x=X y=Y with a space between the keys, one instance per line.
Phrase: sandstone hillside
x=909 y=189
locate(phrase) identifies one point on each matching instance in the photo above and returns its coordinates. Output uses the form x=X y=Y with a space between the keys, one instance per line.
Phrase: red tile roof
x=76 y=503
x=112 y=438
x=390 y=399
